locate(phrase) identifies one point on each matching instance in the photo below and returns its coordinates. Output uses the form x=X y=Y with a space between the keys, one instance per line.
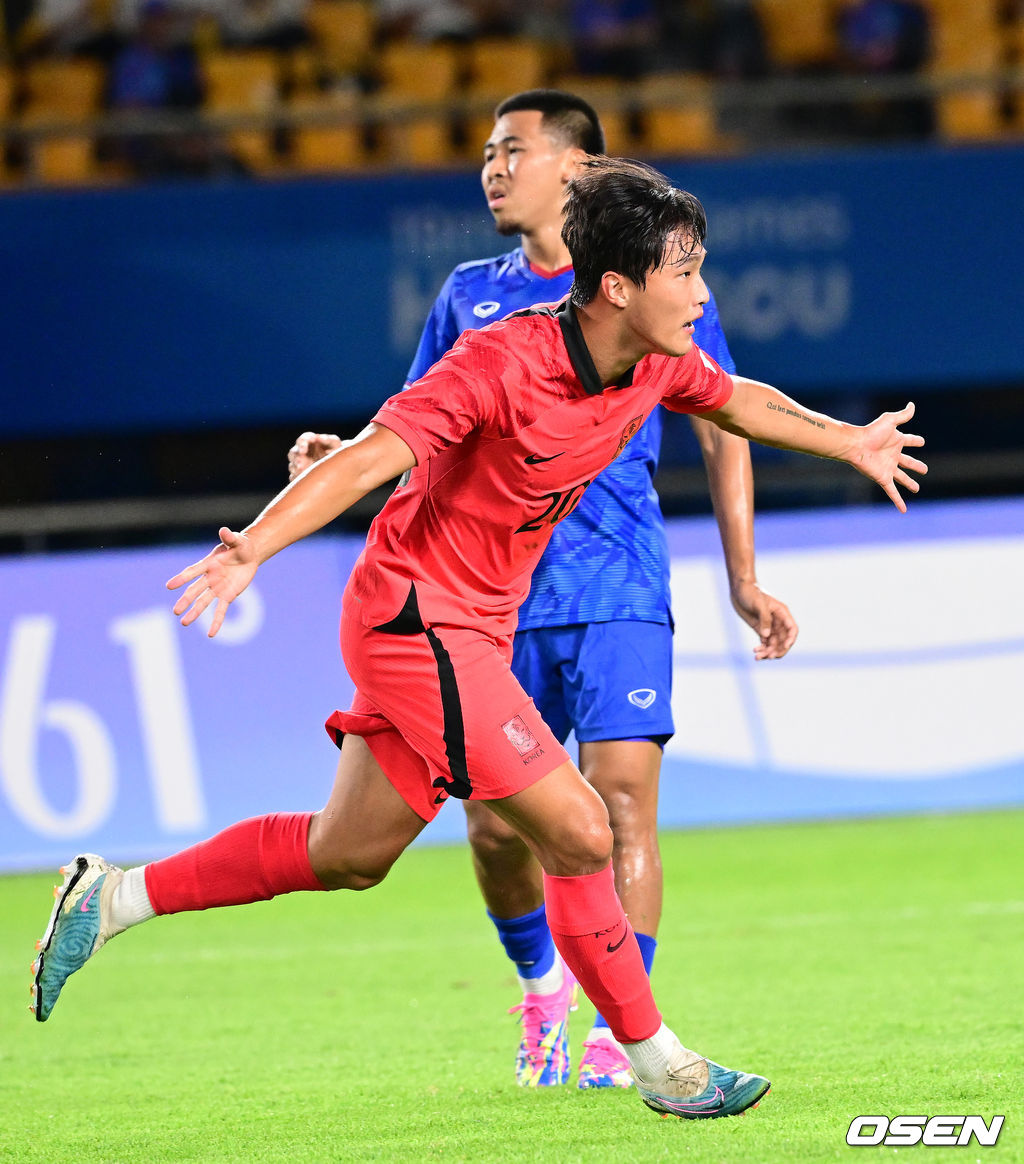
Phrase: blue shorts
x=602 y=680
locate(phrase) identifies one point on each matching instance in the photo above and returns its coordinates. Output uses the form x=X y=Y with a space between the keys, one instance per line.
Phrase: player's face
x=524 y=174
x=663 y=313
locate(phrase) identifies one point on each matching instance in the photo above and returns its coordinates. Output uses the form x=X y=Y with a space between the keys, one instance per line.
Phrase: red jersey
x=508 y=429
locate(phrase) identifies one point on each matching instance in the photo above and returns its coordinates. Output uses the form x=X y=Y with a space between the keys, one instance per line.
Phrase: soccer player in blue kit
x=593 y=645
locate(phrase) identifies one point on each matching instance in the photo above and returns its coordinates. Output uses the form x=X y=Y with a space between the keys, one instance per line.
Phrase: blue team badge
x=643 y=697
x=488 y=307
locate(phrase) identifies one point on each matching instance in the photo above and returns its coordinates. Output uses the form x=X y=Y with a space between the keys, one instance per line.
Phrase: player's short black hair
x=564 y=115
x=618 y=216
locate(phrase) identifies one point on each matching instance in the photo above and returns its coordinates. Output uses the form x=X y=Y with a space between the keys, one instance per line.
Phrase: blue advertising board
x=125 y=734
x=301 y=301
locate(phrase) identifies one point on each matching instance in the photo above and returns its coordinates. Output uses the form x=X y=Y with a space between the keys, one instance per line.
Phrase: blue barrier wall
x=252 y=303
x=124 y=734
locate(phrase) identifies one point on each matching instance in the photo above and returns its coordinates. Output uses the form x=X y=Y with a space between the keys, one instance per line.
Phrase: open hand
x=219 y=577
x=883 y=458
x=771 y=619
x=310 y=447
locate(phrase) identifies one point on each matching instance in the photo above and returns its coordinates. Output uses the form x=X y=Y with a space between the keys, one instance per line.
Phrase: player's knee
x=633 y=818
x=489 y=837
x=586 y=847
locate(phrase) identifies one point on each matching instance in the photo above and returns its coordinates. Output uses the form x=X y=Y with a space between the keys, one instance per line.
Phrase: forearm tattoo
x=773 y=407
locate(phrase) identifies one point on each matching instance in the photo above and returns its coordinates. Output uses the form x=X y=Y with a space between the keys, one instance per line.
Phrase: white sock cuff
x=131 y=903
x=650 y=1057
x=548 y=983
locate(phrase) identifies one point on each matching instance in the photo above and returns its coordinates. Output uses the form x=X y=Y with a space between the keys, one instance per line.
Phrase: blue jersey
x=609 y=558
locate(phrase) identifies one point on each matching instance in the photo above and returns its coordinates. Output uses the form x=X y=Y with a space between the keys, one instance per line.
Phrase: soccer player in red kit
x=497 y=441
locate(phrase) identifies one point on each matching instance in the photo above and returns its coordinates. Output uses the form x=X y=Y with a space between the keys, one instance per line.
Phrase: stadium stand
x=679 y=115
x=326 y=148
x=413 y=73
x=245 y=81
x=800 y=34
x=62 y=93
x=343 y=33
x=427 y=103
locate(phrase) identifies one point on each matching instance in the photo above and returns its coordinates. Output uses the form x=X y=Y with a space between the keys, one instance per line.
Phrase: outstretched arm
x=878 y=449
x=318 y=496
x=731 y=481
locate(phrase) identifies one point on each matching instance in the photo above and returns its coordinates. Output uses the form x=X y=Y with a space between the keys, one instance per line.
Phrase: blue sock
x=647 y=946
x=527 y=941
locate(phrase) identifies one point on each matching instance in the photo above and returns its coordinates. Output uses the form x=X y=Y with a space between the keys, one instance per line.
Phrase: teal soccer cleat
x=76 y=929
x=694 y=1088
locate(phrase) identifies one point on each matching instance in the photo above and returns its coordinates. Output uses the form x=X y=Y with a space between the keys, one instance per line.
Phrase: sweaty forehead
x=681 y=247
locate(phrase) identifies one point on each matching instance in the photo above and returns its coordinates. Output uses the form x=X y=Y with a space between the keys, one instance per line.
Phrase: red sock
x=253 y=860
x=598 y=944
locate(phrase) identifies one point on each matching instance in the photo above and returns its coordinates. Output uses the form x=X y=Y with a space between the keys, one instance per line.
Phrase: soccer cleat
x=543 y=1056
x=604 y=1065
x=694 y=1088
x=78 y=926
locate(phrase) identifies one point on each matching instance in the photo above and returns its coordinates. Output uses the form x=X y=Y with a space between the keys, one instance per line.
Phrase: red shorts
x=442 y=713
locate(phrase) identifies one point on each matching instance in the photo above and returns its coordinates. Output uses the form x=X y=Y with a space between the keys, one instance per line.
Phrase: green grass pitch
x=866 y=967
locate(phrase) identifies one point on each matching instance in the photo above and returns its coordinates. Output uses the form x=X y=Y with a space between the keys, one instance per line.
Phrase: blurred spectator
x=275 y=24
x=545 y=20
x=69 y=28
x=681 y=39
x=736 y=45
x=426 y=20
x=886 y=37
x=613 y=37
x=155 y=71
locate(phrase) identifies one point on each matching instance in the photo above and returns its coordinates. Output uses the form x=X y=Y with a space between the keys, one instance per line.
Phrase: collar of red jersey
x=579 y=355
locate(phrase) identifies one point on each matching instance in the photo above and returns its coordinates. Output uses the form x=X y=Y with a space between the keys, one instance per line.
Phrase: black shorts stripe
x=454 y=728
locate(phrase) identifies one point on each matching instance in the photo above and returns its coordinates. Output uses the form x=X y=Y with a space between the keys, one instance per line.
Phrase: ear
x=615 y=289
x=571 y=160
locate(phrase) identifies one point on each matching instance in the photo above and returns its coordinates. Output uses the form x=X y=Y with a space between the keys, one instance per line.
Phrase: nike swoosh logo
x=611 y=949
x=533 y=459
x=84 y=907
x=713 y=1101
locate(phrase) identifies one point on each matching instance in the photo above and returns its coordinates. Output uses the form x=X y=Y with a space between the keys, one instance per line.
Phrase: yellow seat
x=977 y=50
x=800 y=33
x=966 y=13
x=411 y=69
x=679 y=117
x=971 y=116
x=6 y=100
x=6 y=91
x=69 y=89
x=65 y=161
x=326 y=148
x=423 y=141
x=412 y=73
x=343 y=33
x=973 y=113
x=244 y=82
x=499 y=66
x=62 y=90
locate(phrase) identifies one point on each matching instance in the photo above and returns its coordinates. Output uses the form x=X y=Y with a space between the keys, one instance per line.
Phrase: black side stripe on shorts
x=407 y=621
x=454 y=728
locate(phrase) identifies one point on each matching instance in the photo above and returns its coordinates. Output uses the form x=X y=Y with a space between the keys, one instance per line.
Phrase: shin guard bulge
x=598 y=944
